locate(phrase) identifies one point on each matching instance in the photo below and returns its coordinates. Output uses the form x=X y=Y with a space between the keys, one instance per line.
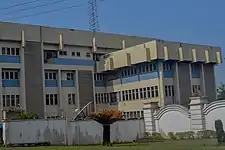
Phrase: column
x=197 y=105
x=149 y=118
x=94 y=100
x=1 y=95
x=77 y=93
x=22 y=75
x=190 y=74
x=161 y=84
x=177 y=83
x=202 y=80
x=61 y=102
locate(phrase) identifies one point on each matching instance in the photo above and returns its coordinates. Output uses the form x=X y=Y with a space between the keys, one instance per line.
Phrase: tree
x=107 y=117
x=221 y=91
x=219 y=132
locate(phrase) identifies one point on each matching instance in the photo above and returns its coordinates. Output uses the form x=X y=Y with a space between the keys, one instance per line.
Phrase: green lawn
x=167 y=145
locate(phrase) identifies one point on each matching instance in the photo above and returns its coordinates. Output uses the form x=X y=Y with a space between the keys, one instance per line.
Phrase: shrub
x=207 y=134
x=172 y=136
x=185 y=135
x=157 y=136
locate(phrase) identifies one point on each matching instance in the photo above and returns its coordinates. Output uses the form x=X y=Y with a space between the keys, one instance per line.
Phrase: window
x=144 y=93
x=137 y=94
x=169 y=90
x=152 y=92
x=11 y=100
x=148 y=92
x=71 y=99
x=167 y=67
x=98 y=77
x=51 y=99
x=141 y=93
x=133 y=94
x=126 y=94
x=78 y=54
x=130 y=95
x=195 y=67
x=88 y=54
x=69 y=76
x=195 y=89
x=10 y=51
x=50 y=75
x=10 y=75
x=63 y=53
x=156 y=91
x=73 y=53
x=123 y=95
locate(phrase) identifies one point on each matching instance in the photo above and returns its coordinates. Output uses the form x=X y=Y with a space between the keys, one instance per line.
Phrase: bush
x=157 y=136
x=185 y=135
x=207 y=134
x=172 y=136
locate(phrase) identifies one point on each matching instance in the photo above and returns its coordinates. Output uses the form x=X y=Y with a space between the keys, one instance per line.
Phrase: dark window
x=8 y=51
x=73 y=53
x=17 y=100
x=3 y=50
x=47 y=99
x=17 y=51
x=13 y=100
x=88 y=54
x=78 y=54
x=13 y=51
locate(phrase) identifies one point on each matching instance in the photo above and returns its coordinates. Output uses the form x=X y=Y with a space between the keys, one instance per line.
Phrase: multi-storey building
x=50 y=71
x=156 y=71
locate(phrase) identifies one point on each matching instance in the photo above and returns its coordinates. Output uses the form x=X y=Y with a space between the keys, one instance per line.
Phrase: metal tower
x=93 y=16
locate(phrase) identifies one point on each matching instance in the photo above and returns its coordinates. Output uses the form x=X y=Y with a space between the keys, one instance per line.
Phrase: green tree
x=221 y=91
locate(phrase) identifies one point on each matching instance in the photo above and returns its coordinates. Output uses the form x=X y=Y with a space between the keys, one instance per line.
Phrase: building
x=51 y=71
x=156 y=71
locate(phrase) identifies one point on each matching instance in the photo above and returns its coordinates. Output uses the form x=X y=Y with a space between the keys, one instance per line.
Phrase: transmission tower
x=93 y=20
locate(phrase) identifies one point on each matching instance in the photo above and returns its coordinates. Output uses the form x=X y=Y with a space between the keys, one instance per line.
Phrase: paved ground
x=167 y=145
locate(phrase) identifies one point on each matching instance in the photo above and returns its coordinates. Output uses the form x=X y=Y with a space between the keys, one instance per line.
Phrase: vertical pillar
x=1 y=96
x=161 y=84
x=202 y=80
x=177 y=83
x=197 y=116
x=61 y=103
x=77 y=93
x=94 y=100
x=190 y=74
x=22 y=74
x=149 y=117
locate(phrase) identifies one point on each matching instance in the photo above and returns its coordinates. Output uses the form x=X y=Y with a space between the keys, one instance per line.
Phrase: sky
x=192 y=21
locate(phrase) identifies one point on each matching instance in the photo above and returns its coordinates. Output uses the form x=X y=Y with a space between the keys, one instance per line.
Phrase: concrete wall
x=175 y=118
x=61 y=132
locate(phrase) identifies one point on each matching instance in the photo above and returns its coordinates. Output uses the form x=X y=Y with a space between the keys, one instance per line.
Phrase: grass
x=167 y=145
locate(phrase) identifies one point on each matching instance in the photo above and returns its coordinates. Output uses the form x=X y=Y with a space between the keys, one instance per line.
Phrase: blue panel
x=1 y=125
x=68 y=83
x=117 y=81
x=11 y=83
x=51 y=83
x=130 y=79
x=168 y=74
x=99 y=83
x=195 y=74
x=78 y=62
x=9 y=59
x=148 y=76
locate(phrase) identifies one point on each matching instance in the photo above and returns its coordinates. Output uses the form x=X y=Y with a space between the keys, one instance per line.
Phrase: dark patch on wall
x=185 y=83
x=34 y=78
x=210 y=85
x=85 y=81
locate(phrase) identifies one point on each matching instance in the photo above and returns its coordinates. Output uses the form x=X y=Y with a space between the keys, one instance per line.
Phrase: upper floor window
x=10 y=51
x=88 y=54
x=98 y=77
x=167 y=67
x=129 y=71
x=63 y=53
x=147 y=67
x=10 y=75
x=195 y=89
x=51 y=99
x=78 y=54
x=195 y=67
x=11 y=100
x=50 y=75
x=69 y=76
x=71 y=99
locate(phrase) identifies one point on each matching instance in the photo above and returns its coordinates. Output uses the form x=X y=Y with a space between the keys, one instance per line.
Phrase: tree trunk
x=106 y=135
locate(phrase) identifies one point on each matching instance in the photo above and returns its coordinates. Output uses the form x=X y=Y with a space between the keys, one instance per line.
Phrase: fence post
x=197 y=105
x=149 y=118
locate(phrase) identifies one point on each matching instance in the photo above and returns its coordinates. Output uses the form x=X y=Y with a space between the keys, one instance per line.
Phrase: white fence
x=61 y=132
x=175 y=118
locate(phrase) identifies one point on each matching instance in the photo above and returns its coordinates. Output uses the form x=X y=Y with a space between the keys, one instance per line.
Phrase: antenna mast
x=93 y=20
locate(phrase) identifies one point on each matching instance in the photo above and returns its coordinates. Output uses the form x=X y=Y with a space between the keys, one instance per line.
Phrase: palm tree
x=221 y=91
x=107 y=117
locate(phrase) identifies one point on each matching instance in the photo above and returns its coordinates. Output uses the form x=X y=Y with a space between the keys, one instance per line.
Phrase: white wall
x=172 y=118
x=61 y=132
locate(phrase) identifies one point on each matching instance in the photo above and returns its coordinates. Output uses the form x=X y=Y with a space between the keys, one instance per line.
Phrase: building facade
x=52 y=72
x=156 y=71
